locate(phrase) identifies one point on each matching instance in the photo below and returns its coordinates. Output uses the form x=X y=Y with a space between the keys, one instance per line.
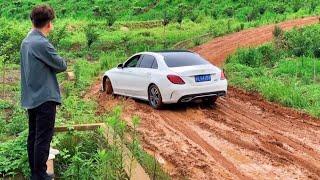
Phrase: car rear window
x=180 y=59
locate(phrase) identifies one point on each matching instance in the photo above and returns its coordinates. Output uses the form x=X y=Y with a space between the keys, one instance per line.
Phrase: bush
x=91 y=35
x=229 y=11
x=299 y=42
x=58 y=34
x=252 y=15
x=13 y=156
x=10 y=40
x=194 y=16
x=279 y=9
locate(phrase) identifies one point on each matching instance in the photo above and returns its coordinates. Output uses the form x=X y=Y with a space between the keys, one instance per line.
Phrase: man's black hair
x=41 y=15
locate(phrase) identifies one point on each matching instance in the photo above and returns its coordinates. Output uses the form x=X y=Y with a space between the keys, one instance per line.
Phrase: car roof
x=172 y=51
x=164 y=52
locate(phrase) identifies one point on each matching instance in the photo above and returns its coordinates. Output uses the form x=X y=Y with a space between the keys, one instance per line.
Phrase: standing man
x=40 y=92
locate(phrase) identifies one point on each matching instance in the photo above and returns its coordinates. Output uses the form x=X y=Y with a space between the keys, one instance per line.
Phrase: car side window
x=133 y=62
x=147 y=61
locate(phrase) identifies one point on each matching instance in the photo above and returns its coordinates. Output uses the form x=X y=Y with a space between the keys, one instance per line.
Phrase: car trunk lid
x=189 y=73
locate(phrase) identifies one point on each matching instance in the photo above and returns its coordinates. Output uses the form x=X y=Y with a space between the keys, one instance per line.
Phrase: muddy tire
x=210 y=101
x=154 y=96
x=107 y=86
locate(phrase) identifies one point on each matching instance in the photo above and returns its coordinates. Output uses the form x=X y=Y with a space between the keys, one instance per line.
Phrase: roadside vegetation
x=96 y=35
x=285 y=71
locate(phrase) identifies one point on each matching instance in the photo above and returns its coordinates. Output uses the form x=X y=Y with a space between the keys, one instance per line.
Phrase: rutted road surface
x=241 y=137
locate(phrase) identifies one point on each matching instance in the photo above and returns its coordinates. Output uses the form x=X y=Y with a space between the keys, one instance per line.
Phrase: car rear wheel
x=155 y=98
x=210 y=100
x=107 y=86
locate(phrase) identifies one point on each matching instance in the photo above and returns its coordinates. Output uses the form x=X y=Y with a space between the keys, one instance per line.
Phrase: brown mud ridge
x=241 y=137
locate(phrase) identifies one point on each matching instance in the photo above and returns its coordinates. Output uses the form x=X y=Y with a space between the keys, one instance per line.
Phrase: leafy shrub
x=193 y=16
x=10 y=40
x=297 y=43
x=58 y=34
x=313 y=6
x=83 y=152
x=297 y=5
x=264 y=55
x=91 y=34
x=18 y=121
x=252 y=15
x=279 y=9
x=5 y=105
x=13 y=156
x=229 y=11
x=262 y=10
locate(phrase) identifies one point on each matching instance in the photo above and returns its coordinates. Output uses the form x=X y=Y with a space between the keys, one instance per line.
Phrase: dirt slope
x=219 y=48
x=241 y=137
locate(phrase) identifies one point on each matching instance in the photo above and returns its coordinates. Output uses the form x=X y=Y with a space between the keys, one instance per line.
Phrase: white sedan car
x=166 y=77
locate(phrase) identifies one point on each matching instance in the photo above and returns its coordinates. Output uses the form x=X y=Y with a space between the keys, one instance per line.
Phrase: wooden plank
x=132 y=167
x=81 y=127
x=70 y=76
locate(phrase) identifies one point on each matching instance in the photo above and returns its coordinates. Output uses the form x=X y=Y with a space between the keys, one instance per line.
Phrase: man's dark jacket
x=39 y=65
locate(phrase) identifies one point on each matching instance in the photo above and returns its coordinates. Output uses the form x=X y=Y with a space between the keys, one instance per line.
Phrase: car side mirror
x=120 y=66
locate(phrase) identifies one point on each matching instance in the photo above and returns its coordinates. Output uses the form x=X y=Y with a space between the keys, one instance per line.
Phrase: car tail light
x=222 y=77
x=175 y=79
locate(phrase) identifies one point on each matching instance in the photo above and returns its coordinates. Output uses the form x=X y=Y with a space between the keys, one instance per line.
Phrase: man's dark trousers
x=41 y=129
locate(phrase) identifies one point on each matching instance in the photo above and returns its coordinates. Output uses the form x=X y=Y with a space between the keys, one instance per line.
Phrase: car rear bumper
x=186 y=93
x=191 y=97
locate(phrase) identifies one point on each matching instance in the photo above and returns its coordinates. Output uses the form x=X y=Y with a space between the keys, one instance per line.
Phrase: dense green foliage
x=248 y=10
x=289 y=75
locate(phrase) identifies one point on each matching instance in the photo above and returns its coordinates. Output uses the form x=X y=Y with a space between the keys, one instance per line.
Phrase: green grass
x=279 y=74
x=143 y=9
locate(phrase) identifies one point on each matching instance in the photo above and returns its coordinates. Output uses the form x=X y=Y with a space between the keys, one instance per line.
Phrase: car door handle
x=129 y=71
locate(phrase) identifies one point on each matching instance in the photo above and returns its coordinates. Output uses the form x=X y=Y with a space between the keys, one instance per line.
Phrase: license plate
x=202 y=78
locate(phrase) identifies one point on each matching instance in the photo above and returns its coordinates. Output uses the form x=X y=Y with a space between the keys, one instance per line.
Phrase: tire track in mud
x=241 y=137
x=274 y=141
x=190 y=134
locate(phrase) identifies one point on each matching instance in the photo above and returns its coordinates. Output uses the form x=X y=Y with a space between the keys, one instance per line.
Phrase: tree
x=107 y=12
x=182 y=8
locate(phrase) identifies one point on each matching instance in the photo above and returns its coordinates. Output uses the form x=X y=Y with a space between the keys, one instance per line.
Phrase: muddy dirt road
x=241 y=137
